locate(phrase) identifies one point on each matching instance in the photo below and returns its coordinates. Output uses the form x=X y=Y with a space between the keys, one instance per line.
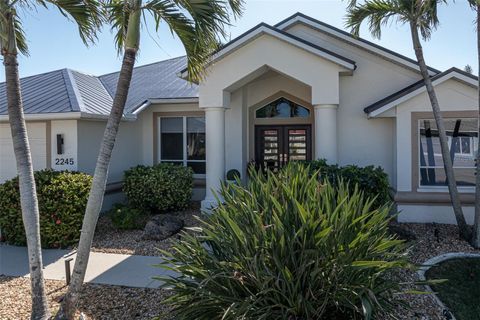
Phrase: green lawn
x=461 y=293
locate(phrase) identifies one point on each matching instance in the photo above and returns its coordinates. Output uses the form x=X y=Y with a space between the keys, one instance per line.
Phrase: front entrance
x=276 y=145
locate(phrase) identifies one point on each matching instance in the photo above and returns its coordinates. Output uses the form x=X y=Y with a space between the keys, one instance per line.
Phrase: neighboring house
x=298 y=90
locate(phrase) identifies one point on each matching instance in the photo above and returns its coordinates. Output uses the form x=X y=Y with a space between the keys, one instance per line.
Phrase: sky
x=54 y=43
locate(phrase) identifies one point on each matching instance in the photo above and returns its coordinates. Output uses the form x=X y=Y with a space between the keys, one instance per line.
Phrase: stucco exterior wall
x=242 y=66
x=126 y=153
x=361 y=140
x=69 y=159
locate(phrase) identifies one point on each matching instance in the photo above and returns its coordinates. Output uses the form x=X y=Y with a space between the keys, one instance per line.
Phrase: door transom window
x=282 y=108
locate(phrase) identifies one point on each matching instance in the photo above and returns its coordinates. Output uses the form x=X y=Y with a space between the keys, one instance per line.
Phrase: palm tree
x=475 y=4
x=421 y=16
x=199 y=25
x=13 y=42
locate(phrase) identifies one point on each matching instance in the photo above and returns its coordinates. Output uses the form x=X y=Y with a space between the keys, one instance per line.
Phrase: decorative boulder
x=162 y=226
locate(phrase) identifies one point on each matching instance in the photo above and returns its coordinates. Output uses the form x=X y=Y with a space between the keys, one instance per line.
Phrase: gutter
x=149 y=102
x=66 y=116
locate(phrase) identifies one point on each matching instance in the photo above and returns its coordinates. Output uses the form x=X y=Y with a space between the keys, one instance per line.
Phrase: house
x=299 y=90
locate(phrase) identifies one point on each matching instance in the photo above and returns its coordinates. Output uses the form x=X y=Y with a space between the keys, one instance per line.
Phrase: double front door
x=276 y=145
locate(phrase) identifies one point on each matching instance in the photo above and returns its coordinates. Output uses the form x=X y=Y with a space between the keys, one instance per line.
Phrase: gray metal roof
x=158 y=80
x=67 y=90
x=43 y=93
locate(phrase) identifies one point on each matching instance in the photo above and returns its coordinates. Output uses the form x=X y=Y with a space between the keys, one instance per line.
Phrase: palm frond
x=20 y=38
x=86 y=14
x=199 y=24
x=376 y=13
x=117 y=12
x=423 y=14
x=9 y=20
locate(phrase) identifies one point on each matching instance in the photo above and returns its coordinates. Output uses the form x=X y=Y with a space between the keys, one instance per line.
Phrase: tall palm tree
x=475 y=4
x=421 y=16
x=13 y=42
x=199 y=24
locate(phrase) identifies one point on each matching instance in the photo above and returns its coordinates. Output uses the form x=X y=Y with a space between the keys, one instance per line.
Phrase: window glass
x=282 y=108
x=179 y=134
x=196 y=138
x=462 y=138
x=172 y=138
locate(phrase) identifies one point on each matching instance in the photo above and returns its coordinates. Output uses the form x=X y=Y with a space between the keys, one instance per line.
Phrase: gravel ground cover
x=108 y=239
x=431 y=240
x=96 y=302
x=110 y=302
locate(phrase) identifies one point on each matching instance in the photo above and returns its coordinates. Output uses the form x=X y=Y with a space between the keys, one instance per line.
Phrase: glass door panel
x=276 y=145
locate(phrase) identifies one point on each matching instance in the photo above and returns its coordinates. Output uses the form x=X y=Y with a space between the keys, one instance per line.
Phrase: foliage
x=158 y=188
x=286 y=246
x=461 y=290
x=373 y=181
x=127 y=218
x=199 y=25
x=62 y=198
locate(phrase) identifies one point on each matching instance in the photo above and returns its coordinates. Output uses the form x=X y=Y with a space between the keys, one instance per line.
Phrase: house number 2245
x=64 y=161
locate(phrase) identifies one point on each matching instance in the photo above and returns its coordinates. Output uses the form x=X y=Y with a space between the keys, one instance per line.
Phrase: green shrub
x=62 y=198
x=287 y=246
x=127 y=218
x=159 y=188
x=373 y=181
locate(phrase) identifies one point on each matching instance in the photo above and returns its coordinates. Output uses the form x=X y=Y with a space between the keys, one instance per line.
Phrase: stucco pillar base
x=326 y=132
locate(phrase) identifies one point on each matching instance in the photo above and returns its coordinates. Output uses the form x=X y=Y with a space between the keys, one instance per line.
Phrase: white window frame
x=427 y=188
x=184 y=140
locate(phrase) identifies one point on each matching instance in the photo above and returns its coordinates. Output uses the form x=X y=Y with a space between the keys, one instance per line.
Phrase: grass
x=461 y=292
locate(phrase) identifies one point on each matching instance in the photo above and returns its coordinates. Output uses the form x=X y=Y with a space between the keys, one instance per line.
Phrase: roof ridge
x=74 y=95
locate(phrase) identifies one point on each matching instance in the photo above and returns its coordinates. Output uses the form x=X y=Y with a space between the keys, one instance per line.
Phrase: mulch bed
x=96 y=302
x=108 y=239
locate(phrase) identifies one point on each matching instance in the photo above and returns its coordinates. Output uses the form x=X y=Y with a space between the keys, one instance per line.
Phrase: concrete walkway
x=103 y=268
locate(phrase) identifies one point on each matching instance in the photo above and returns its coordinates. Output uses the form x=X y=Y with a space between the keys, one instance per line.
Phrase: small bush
x=159 y=188
x=127 y=218
x=373 y=181
x=62 y=198
x=287 y=246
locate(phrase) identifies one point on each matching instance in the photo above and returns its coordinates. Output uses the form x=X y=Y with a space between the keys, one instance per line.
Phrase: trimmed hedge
x=62 y=198
x=158 y=188
x=372 y=181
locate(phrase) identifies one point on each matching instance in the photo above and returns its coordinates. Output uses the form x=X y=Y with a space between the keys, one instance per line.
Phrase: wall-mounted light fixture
x=60 y=144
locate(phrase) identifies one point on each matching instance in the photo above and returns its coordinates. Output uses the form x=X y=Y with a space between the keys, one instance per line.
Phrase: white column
x=326 y=132
x=215 y=153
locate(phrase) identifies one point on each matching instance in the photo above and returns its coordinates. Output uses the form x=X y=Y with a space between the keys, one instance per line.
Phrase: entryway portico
x=253 y=71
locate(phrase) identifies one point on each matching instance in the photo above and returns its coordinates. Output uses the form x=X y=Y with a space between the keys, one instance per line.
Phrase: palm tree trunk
x=476 y=223
x=28 y=193
x=463 y=228
x=97 y=192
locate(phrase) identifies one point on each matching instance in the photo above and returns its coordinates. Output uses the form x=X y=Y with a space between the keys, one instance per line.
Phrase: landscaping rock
x=162 y=226
x=402 y=232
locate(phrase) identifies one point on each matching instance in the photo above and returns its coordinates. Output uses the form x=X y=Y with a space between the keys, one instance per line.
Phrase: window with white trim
x=182 y=141
x=462 y=135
